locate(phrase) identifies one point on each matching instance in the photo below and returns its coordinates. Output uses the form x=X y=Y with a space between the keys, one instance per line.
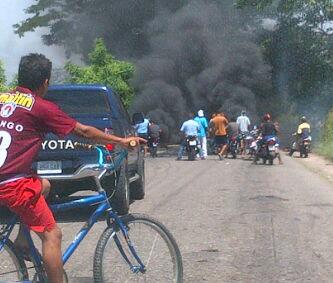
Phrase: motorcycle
x=250 y=142
x=192 y=147
x=305 y=147
x=302 y=145
x=268 y=150
x=253 y=147
x=233 y=146
x=153 y=144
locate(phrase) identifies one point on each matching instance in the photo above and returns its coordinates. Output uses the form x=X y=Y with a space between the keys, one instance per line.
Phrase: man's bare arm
x=98 y=136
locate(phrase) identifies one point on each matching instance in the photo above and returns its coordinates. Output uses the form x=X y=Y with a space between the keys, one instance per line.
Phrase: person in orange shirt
x=220 y=124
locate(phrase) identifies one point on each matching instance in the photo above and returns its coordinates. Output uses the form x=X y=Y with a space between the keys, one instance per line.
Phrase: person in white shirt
x=202 y=136
x=243 y=123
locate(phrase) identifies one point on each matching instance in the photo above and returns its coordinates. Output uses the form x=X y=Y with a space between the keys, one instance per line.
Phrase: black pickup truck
x=67 y=168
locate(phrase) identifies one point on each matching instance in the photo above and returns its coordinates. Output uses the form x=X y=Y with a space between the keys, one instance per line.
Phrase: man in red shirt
x=25 y=118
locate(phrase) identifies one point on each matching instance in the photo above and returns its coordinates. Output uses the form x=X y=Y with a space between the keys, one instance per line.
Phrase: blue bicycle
x=132 y=248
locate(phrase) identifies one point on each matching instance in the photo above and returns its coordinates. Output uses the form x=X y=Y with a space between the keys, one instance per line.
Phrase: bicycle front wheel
x=12 y=267
x=154 y=245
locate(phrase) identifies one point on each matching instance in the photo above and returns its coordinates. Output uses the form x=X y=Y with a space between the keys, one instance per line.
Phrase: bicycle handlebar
x=102 y=151
x=132 y=143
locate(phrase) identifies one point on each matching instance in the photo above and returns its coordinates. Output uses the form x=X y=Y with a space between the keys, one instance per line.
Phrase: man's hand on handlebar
x=132 y=142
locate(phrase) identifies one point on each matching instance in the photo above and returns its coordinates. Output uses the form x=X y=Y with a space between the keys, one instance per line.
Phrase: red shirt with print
x=25 y=118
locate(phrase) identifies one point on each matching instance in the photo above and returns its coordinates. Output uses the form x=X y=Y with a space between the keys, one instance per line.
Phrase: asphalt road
x=234 y=221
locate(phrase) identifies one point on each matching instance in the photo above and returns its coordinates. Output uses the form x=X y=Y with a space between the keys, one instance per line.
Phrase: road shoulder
x=318 y=164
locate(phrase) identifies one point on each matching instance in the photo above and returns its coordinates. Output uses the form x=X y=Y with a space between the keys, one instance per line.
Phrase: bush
x=325 y=146
x=103 y=68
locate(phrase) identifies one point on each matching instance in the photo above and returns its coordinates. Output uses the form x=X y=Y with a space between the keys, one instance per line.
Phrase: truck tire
x=121 y=199
x=137 y=188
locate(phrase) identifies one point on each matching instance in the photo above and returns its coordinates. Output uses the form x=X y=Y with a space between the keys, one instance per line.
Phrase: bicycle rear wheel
x=154 y=245
x=12 y=267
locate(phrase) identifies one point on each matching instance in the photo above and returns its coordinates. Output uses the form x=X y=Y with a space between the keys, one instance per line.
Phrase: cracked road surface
x=234 y=221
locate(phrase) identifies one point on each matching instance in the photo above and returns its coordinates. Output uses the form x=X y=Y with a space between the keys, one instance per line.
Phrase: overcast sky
x=12 y=47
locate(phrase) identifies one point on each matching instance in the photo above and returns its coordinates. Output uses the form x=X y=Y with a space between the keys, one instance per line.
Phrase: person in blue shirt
x=142 y=131
x=189 y=128
x=202 y=121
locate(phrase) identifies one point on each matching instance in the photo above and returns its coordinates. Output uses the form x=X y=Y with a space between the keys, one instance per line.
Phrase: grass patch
x=325 y=149
x=325 y=145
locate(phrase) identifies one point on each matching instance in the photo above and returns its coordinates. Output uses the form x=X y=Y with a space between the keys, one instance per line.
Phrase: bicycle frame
x=103 y=206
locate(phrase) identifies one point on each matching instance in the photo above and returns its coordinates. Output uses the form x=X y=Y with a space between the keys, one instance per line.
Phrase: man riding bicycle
x=25 y=118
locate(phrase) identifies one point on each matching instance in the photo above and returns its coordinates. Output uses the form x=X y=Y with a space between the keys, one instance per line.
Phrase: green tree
x=104 y=69
x=300 y=47
x=13 y=83
x=312 y=11
x=3 y=86
x=326 y=139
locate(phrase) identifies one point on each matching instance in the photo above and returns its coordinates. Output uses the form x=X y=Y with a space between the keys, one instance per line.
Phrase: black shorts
x=221 y=140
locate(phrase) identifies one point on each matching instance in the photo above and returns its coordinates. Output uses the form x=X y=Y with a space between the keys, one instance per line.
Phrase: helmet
x=243 y=113
x=200 y=113
x=303 y=119
x=266 y=117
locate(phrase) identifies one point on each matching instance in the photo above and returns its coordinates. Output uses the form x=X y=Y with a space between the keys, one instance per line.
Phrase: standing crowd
x=219 y=128
x=222 y=130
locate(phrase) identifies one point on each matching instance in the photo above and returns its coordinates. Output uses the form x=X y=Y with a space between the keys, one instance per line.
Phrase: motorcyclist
x=142 y=131
x=267 y=129
x=189 y=128
x=303 y=132
x=232 y=128
x=304 y=129
x=154 y=132
x=232 y=131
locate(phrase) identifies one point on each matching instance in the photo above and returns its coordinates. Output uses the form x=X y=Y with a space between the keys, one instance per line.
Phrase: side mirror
x=137 y=118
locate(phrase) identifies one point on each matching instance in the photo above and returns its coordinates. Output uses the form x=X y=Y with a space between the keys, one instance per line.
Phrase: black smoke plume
x=189 y=54
x=201 y=56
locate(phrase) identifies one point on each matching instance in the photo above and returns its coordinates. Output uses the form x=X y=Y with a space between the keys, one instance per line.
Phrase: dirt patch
x=318 y=164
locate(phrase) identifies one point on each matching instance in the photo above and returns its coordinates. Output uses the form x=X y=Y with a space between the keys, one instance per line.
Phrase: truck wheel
x=121 y=199
x=137 y=188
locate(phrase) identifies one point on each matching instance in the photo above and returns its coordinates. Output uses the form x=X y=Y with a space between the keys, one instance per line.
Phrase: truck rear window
x=80 y=101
